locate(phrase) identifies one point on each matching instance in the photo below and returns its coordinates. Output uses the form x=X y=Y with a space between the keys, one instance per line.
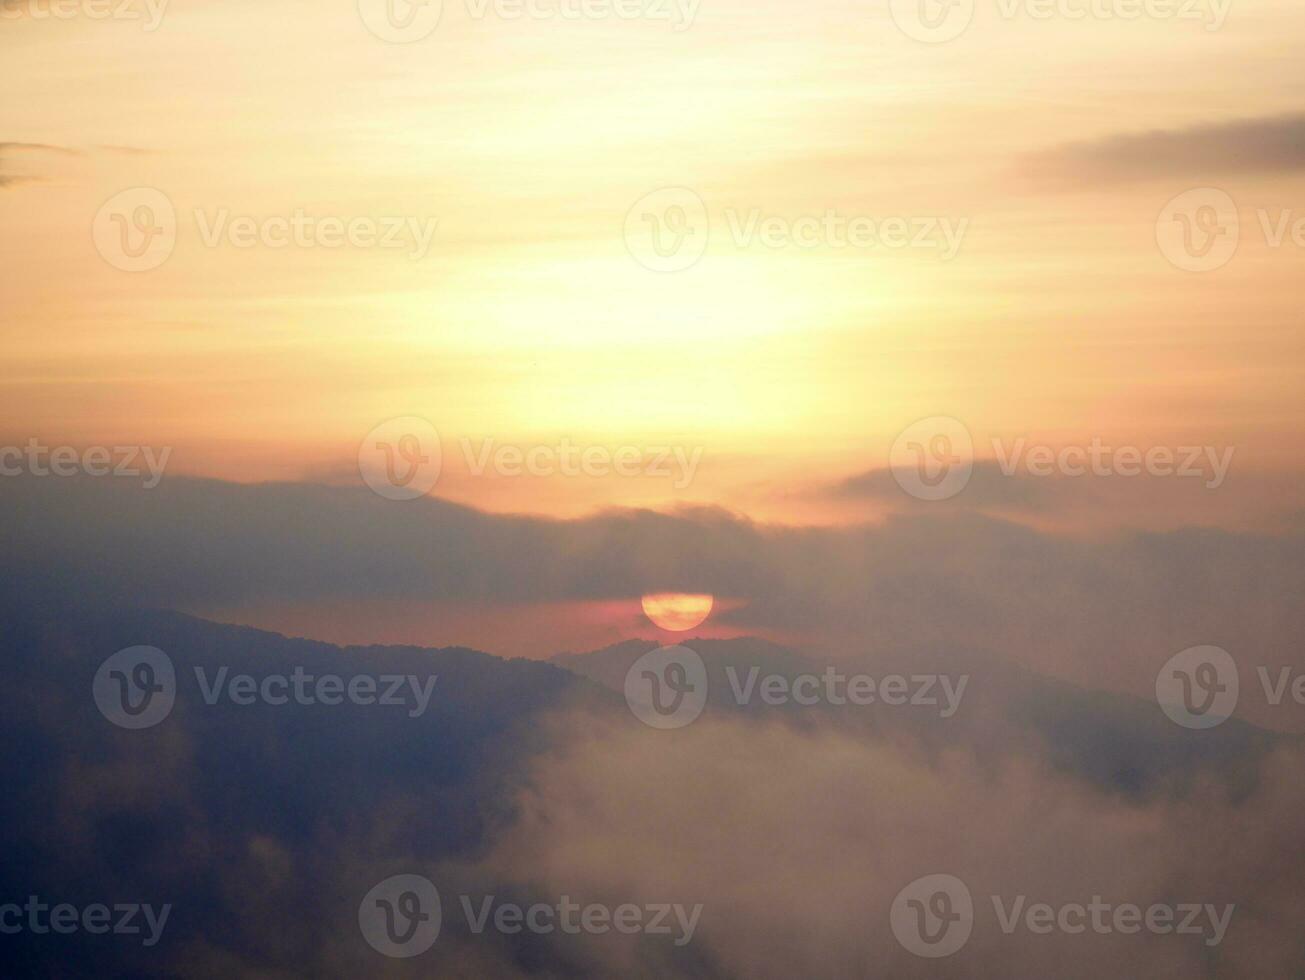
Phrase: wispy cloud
x=14 y=148
x=1267 y=145
x=988 y=488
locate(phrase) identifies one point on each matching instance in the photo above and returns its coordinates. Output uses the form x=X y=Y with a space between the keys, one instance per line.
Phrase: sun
x=677 y=611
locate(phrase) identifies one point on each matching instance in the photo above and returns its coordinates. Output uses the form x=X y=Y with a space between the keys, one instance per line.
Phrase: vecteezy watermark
x=408 y=21
x=833 y=230
x=402 y=917
x=932 y=21
x=934 y=917
x=402 y=459
x=38 y=459
x=149 y=13
x=136 y=231
x=137 y=687
x=1200 y=229
x=833 y=687
x=669 y=230
x=933 y=459
x=1200 y=687
x=668 y=688
x=96 y=919
x=678 y=464
x=939 y=21
x=302 y=230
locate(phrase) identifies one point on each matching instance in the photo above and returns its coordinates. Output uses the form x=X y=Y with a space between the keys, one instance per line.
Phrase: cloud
x=266 y=825
x=1105 y=610
x=1244 y=146
x=988 y=489
x=34 y=147
x=797 y=844
x=1225 y=495
x=25 y=150
x=11 y=149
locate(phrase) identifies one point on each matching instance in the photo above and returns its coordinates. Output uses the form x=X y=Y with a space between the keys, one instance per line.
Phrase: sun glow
x=676 y=611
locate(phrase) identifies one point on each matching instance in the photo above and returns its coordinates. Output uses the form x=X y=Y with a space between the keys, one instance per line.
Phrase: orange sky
x=528 y=321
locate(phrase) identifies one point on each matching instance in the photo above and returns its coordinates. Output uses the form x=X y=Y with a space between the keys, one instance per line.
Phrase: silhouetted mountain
x=233 y=811
x=263 y=824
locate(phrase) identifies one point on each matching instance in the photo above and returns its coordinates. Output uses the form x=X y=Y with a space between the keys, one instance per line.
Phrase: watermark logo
x=38 y=459
x=136 y=687
x=932 y=21
x=1105 y=918
x=305 y=689
x=303 y=230
x=1210 y=13
x=933 y=916
x=1199 y=687
x=676 y=463
x=401 y=916
x=1275 y=688
x=933 y=458
x=147 y=12
x=939 y=21
x=572 y=918
x=96 y=919
x=840 y=231
x=401 y=459
x=401 y=21
x=1199 y=230
x=1208 y=463
x=667 y=688
x=406 y=21
x=136 y=230
x=668 y=230
x=837 y=689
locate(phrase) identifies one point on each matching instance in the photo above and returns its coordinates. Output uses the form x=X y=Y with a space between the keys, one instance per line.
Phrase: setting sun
x=676 y=611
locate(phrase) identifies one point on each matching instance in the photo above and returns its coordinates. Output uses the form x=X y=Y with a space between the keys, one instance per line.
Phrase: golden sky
x=1055 y=144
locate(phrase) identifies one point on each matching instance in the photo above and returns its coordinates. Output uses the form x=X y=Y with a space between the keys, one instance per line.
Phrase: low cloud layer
x=263 y=826
x=522 y=783
x=797 y=845
x=1243 y=146
x=1106 y=611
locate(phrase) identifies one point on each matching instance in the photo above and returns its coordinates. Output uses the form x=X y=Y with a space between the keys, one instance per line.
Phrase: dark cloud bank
x=265 y=825
x=1241 y=146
